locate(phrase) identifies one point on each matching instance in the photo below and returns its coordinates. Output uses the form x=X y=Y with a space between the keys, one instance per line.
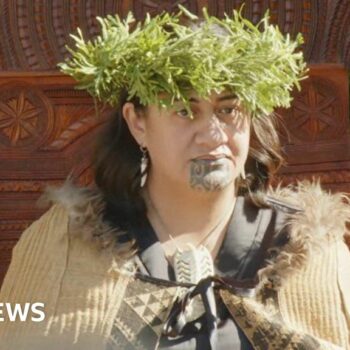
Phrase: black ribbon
x=176 y=321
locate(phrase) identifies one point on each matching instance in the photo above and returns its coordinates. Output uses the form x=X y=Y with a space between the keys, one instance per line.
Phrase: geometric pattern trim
x=264 y=329
x=143 y=311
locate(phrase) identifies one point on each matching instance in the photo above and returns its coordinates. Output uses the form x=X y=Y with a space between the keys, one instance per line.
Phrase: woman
x=176 y=248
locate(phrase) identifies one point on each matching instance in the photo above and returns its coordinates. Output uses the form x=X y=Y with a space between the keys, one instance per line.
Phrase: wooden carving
x=47 y=128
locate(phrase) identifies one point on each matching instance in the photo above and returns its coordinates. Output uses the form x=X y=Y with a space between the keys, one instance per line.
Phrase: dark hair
x=117 y=164
x=264 y=157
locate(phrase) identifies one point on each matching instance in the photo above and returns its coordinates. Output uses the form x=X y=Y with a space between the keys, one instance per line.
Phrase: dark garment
x=240 y=256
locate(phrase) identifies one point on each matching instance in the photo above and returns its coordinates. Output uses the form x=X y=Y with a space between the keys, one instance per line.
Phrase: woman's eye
x=227 y=110
x=183 y=113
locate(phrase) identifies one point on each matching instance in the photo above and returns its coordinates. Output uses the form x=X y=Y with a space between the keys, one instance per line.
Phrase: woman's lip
x=213 y=157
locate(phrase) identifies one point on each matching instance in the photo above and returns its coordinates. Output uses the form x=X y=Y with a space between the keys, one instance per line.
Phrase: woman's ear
x=135 y=122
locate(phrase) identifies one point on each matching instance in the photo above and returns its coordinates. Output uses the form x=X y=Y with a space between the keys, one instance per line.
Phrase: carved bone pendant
x=192 y=265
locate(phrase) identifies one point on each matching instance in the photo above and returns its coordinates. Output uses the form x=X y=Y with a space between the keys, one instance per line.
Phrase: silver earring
x=144 y=165
x=243 y=174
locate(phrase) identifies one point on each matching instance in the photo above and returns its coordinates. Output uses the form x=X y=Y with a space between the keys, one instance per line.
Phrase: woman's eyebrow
x=227 y=97
x=221 y=98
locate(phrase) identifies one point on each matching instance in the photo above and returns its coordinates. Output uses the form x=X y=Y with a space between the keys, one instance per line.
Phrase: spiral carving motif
x=316 y=113
x=26 y=116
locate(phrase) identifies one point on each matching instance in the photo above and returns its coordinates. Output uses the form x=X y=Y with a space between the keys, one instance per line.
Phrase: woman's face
x=207 y=152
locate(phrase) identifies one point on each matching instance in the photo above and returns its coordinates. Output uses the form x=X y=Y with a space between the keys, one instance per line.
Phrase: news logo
x=11 y=312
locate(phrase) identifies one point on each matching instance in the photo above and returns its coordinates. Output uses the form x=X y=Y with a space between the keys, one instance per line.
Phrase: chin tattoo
x=209 y=176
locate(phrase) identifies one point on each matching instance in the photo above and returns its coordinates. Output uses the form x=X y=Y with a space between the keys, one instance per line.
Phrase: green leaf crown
x=162 y=57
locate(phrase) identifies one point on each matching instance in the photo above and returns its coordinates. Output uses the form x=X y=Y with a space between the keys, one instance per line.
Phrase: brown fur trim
x=323 y=216
x=85 y=208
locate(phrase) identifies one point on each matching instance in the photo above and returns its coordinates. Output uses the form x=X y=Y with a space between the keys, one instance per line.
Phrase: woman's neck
x=180 y=210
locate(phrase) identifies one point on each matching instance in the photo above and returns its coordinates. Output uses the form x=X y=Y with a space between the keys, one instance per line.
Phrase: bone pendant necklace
x=193 y=263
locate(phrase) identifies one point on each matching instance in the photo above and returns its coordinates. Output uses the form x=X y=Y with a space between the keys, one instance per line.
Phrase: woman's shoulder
x=86 y=223
x=312 y=266
x=84 y=208
x=80 y=203
x=310 y=210
x=311 y=219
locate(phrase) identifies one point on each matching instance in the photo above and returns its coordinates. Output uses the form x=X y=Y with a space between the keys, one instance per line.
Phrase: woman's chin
x=215 y=180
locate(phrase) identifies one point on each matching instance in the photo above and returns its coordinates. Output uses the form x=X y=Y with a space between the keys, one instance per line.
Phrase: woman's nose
x=211 y=131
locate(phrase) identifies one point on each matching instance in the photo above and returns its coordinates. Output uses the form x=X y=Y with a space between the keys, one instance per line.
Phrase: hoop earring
x=143 y=165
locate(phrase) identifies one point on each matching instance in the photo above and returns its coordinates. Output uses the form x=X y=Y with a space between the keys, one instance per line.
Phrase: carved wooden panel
x=47 y=128
x=37 y=31
x=319 y=116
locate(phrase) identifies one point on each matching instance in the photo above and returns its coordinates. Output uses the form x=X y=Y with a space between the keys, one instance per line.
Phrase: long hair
x=264 y=156
x=116 y=164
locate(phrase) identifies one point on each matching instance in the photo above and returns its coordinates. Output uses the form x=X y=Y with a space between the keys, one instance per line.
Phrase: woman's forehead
x=213 y=97
x=194 y=98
